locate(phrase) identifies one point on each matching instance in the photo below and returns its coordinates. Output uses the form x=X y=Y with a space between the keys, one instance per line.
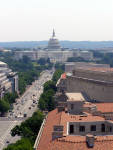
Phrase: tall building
x=8 y=80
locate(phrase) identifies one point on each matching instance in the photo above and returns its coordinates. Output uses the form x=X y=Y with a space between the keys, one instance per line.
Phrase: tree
x=49 y=85
x=26 y=59
x=23 y=144
x=57 y=75
x=4 y=106
x=30 y=127
x=42 y=61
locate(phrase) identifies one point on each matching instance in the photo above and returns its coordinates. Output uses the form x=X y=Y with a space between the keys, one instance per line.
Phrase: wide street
x=23 y=108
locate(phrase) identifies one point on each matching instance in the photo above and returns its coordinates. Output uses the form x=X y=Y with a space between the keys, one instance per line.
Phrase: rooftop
x=70 y=142
x=104 y=107
x=63 y=76
x=97 y=69
x=75 y=97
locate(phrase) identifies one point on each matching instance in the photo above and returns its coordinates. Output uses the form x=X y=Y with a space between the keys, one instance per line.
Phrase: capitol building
x=54 y=52
x=53 y=43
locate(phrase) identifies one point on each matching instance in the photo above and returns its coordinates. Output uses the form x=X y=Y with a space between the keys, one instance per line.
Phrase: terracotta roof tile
x=104 y=107
x=63 y=76
x=70 y=142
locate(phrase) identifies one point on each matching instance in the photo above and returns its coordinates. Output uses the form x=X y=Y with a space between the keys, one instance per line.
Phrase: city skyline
x=73 y=20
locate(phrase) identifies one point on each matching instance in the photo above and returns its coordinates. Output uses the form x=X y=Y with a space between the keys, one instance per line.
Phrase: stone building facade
x=8 y=80
x=96 y=84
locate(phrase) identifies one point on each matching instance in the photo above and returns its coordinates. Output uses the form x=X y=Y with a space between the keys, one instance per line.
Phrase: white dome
x=53 y=43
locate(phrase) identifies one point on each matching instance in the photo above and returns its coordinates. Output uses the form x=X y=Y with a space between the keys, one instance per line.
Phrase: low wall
x=95 y=89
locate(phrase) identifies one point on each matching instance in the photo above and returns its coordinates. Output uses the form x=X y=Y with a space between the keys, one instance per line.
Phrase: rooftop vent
x=60 y=108
x=57 y=132
x=90 y=140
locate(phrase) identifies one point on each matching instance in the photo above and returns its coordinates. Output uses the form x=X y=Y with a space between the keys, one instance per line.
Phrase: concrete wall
x=77 y=107
x=94 y=90
x=103 y=76
x=70 y=66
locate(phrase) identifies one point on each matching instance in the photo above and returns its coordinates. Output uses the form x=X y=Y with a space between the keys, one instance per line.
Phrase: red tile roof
x=70 y=142
x=104 y=107
x=46 y=138
x=63 y=76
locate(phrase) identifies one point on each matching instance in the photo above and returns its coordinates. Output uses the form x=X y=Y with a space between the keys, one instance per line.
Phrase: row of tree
x=46 y=101
x=6 y=102
x=106 y=59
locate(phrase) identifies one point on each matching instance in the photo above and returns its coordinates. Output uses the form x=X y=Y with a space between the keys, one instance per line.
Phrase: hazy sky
x=77 y=20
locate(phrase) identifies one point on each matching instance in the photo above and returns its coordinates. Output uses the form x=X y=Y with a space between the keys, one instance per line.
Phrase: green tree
x=23 y=144
x=4 y=106
x=57 y=75
x=49 y=85
x=30 y=127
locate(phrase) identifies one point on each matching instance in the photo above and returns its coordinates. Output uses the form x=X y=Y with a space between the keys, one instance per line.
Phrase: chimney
x=90 y=140
x=60 y=108
x=57 y=132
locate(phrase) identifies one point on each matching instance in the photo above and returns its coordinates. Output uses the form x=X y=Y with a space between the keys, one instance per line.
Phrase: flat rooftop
x=97 y=69
x=75 y=97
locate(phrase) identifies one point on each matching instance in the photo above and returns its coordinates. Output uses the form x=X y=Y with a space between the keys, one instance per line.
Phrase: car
x=34 y=101
x=33 y=105
x=25 y=114
x=7 y=142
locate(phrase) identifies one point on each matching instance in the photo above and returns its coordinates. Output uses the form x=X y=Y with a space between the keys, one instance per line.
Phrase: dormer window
x=82 y=128
x=93 y=127
x=71 y=129
x=103 y=127
x=72 y=106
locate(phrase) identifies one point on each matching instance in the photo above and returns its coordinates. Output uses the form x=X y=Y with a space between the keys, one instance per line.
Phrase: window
x=110 y=129
x=72 y=106
x=102 y=127
x=71 y=129
x=82 y=128
x=93 y=127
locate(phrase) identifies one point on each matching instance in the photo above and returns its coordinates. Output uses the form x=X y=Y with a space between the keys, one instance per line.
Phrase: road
x=25 y=105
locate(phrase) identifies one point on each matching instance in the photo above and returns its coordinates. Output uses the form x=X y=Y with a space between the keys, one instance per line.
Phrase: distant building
x=53 y=43
x=54 y=52
x=8 y=80
x=33 y=55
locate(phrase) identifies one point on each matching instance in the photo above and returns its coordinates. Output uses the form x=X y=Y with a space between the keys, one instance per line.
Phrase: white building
x=54 y=52
x=8 y=80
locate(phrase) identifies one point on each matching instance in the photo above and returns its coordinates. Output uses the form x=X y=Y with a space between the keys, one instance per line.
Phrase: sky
x=74 y=20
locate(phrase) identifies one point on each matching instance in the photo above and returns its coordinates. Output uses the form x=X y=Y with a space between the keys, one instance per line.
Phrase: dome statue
x=53 y=43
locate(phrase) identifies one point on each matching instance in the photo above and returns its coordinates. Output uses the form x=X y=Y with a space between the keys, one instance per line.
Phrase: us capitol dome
x=53 y=43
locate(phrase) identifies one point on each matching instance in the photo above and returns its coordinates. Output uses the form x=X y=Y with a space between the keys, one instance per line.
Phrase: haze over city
x=76 y=20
